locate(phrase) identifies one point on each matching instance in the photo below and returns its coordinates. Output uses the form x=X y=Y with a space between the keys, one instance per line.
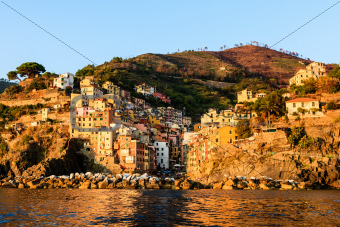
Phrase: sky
x=101 y=30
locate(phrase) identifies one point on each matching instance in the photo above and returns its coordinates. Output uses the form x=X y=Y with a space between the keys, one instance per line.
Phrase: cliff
x=271 y=155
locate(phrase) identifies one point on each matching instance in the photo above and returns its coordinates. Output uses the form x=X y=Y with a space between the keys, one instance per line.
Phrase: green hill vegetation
x=5 y=84
x=182 y=75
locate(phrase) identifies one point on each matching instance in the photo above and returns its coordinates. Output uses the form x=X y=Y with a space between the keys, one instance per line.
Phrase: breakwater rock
x=145 y=181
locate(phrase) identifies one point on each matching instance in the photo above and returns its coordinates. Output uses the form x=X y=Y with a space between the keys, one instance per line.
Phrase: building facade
x=64 y=80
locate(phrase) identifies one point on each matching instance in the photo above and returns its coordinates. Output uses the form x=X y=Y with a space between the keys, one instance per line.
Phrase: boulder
x=103 y=184
x=141 y=183
x=263 y=186
x=151 y=186
x=230 y=182
x=186 y=185
x=178 y=182
x=85 y=185
x=111 y=185
x=226 y=187
x=133 y=183
x=242 y=184
x=8 y=185
x=119 y=185
x=218 y=185
x=286 y=187
x=33 y=183
x=94 y=186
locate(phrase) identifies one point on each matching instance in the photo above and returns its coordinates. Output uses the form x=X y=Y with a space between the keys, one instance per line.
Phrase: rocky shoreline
x=145 y=181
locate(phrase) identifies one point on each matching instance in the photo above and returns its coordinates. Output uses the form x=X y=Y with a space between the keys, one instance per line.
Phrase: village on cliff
x=125 y=132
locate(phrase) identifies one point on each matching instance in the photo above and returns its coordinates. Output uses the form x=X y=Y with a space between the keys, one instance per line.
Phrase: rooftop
x=302 y=100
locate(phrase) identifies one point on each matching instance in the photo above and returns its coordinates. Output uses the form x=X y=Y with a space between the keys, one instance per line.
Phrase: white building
x=145 y=89
x=162 y=154
x=304 y=103
x=64 y=80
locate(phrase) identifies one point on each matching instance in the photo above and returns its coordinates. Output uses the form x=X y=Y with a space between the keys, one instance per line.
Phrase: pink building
x=163 y=97
x=83 y=111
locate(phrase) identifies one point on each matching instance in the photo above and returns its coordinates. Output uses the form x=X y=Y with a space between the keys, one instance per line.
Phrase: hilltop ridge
x=228 y=65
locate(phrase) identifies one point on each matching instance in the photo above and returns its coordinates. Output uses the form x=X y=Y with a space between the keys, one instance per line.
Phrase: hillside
x=264 y=61
x=230 y=65
x=5 y=84
x=188 y=77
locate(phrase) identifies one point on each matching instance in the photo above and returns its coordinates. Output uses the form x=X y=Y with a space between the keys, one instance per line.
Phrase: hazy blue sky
x=101 y=30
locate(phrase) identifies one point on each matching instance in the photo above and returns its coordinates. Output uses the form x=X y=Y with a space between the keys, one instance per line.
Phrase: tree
x=117 y=60
x=13 y=75
x=243 y=129
x=30 y=69
x=331 y=106
x=274 y=103
x=68 y=90
x=86 y=71
x=295 y=135
x=49 y=77
x=335 y=72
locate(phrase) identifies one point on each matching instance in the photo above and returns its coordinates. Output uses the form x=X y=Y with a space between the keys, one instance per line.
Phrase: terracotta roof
x=302 y=100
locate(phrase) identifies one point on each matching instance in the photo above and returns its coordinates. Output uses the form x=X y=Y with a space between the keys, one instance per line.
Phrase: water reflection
x=167 y=207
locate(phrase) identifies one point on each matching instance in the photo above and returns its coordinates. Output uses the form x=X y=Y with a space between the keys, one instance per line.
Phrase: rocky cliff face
x=68 y=161
x=272 y=156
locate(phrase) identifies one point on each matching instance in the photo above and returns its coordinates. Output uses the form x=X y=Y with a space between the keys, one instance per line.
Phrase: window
x=313 y=103
x=302 y=104
x=230 y=132
x=294 y=104
x=162 y=149
x=162 y=154
x=161 y=160
x=157 y=154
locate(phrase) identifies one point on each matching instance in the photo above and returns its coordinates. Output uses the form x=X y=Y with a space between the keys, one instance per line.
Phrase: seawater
x=111 y=207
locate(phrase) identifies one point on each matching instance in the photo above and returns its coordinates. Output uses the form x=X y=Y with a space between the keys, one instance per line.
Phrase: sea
x=128 y=207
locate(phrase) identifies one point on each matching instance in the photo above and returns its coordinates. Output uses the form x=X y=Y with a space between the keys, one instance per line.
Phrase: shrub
x=306 y=141
x=337 y=120
x=331 y=106
x=25 y=139
x=243 y=129
x=37 y=84
x=296 y=134
x=3 y=147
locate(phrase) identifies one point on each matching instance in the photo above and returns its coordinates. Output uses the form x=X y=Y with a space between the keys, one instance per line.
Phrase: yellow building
x=227 y=135
x=246 y=96
x=111 y=88
x=89 y=87
x=44 y=113
x=313 y=70
x=100 y=104
x=209 y=118
x=105 y=144
x=153 y=120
